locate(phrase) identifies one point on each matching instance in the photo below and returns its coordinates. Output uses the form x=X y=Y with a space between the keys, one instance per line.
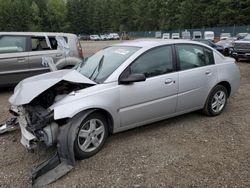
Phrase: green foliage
x=15 y=15
x=99 y=16
x=56 y=12
x=36 y=19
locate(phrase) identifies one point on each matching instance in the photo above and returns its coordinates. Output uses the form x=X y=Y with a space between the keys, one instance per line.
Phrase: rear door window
x=12 y=44
x=193 y=56
x=190 y=56
x=40 y=43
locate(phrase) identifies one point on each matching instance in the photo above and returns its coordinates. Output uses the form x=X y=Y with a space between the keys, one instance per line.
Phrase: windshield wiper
x=98 y=67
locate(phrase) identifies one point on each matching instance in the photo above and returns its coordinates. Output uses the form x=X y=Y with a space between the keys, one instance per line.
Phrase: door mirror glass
x=132 y=78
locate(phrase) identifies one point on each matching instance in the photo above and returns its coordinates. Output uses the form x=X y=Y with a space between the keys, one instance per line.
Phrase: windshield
x=102 y=64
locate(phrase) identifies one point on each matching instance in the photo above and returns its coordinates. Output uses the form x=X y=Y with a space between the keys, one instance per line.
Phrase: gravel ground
x=90 y=47
x=191 y=150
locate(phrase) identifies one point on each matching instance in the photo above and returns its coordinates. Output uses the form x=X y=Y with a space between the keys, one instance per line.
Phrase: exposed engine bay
x=56 y=93
x=38 y=125
x=37 y=121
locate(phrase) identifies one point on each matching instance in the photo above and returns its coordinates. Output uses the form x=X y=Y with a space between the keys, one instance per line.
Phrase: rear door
x=13 y=59
x=39 y=48
x=197 y=75
x=154 y=98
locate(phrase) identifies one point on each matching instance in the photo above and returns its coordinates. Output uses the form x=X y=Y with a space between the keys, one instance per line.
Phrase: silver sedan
x=118 y=88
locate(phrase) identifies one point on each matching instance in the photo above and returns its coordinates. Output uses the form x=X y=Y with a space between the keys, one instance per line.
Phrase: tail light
x=79 y=47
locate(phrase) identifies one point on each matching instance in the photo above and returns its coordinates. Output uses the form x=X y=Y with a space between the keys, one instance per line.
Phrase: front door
x=154 y=98
x=13 y=59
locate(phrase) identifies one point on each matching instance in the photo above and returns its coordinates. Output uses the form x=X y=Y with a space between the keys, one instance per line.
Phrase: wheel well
x=68 y=67
x=227 y=86
x=109 y=118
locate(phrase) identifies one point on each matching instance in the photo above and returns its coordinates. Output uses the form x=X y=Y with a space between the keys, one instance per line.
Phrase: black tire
x=68 y=67
x=208 y=109
x=226 y=52
x=79 y=153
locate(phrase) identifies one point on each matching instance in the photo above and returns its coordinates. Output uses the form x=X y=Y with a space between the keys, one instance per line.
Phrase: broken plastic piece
x=49 y=171
x=48 y=61
x=10 y=125
x=62 y=45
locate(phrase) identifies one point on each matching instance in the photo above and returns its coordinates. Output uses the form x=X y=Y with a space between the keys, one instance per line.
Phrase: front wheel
x=216 y=101
x=91 y=136
x=226 y=52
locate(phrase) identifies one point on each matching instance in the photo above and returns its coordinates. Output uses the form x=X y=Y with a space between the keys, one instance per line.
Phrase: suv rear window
x=12 y=44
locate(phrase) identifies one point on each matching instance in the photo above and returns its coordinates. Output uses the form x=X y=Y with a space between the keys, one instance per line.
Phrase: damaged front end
x=36 y=126
x=30 y=107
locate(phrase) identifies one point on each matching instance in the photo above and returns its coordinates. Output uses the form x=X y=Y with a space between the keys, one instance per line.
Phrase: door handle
x=58 y=55
x=21 y=59
x=169 y=81
x=208 y=72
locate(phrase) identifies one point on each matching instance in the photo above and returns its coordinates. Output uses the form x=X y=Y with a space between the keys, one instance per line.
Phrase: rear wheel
x=216 y=101
x=91 y=136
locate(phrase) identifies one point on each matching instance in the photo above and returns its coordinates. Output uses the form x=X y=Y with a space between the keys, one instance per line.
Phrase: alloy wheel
x=218 y=101
x=91 y=135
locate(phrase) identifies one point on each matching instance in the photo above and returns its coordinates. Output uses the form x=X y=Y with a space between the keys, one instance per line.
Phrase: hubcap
x=218 y=101
x=91 y=135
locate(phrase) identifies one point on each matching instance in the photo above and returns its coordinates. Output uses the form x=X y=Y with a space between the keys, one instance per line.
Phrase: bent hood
x=31 y=87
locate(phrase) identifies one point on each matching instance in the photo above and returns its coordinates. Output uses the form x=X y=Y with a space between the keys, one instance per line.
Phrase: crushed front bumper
x=64 y=159
x=27 y=139
x=55 y=167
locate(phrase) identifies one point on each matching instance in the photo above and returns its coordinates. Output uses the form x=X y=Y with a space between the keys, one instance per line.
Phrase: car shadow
x=156 y=127
x=7 y=89
x=243 y=61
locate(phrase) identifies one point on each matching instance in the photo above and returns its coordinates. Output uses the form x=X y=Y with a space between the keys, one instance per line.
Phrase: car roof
x=145 y=43
x=209 y=32
x=35 y=33
x=201 y=40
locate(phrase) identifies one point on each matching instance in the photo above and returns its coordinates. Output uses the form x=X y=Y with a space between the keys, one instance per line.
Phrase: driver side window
x=154 y=62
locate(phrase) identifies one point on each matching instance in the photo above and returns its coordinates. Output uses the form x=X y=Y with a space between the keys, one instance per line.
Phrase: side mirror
x=132 y=78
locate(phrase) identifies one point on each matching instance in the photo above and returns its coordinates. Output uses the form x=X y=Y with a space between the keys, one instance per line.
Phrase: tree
x=99 y=16
x=57 y=12
x=36 y=24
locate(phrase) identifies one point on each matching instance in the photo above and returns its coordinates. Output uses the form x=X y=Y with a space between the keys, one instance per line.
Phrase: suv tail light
x=79 y=47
